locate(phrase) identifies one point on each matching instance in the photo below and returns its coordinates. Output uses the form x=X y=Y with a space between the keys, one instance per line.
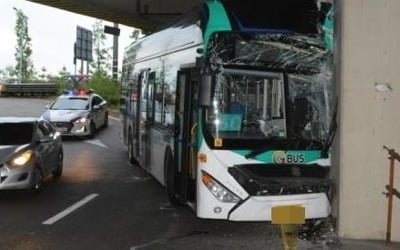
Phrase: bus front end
x=264 y=139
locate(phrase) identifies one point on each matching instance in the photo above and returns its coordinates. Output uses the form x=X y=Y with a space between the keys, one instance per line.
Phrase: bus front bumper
x=258 y=208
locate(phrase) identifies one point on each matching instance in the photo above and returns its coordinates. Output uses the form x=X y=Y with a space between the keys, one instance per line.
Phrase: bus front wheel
x=170 y=178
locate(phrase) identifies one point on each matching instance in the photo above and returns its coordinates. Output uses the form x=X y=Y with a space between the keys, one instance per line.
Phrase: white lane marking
x=154 y=242
x=69 y=210
x=97 y=143
x=114 y=118
x=137 y=179
x=164 y=240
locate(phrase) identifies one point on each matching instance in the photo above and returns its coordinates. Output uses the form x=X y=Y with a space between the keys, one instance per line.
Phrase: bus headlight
x=219 y=191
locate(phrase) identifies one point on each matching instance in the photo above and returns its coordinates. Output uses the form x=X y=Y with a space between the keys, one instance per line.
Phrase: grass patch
x=62 y=84
x=106 y=87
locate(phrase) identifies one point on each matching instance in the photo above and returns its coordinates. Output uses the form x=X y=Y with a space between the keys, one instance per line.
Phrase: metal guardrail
x=28 y=89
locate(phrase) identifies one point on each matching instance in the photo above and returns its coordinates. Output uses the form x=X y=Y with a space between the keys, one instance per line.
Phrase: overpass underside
x=147 y=15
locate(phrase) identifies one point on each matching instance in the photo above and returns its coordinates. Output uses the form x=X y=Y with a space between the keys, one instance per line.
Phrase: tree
x=102 y=58
x=135 y=34
x=8 y=74
x=63 y=72
x=24 y=66
x=43 y=74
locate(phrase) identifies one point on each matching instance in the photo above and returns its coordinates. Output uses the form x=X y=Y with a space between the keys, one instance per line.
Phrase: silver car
x=77 y=113
x=30 y=149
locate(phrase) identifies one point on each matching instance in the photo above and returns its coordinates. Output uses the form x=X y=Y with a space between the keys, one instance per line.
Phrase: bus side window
x=168 y=114
x=158 y=102
x=150 y=96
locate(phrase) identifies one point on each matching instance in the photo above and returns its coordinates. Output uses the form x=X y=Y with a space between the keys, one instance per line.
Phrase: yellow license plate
x=293 y=214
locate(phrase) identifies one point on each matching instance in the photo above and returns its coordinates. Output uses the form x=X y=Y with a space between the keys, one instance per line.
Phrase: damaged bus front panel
x=271 y=120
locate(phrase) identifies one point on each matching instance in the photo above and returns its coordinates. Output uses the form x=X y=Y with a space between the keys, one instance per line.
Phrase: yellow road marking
x=288 y=236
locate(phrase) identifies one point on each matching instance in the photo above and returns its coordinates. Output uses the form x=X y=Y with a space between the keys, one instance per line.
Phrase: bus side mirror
x=205 y=90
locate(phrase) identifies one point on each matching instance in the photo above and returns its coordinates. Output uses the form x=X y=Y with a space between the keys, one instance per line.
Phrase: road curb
x=114 y=113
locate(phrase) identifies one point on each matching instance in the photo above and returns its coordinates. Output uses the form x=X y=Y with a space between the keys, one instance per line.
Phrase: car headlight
x=81 y=120
x=219 y=191
x=21 y=159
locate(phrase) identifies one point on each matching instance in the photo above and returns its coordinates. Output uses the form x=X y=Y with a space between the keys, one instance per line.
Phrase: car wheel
x=171 y=178
x=37 y=180
x=60 y=163
x=105 y=123
x=92 y=130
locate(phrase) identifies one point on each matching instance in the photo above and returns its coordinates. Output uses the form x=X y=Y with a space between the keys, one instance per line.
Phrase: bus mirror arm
x=205 y=89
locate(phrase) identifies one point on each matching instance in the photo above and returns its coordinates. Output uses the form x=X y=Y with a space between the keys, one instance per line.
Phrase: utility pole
x=115 y=54
x=115 y=32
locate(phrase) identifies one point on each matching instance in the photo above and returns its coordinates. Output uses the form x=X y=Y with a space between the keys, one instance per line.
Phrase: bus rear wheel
x=171 y=178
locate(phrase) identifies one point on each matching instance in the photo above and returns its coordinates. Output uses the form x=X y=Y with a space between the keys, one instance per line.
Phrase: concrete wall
x=369 y=31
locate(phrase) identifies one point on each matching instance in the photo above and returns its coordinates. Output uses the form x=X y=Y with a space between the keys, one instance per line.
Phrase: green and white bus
x=231 y=109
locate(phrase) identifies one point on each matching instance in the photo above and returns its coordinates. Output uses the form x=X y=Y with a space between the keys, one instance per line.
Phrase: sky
x=53 y=34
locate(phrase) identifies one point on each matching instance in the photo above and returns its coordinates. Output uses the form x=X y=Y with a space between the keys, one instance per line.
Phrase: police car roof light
x=77 y=92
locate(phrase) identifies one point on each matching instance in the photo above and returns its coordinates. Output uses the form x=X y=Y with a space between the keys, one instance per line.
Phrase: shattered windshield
x=287 y=52
x=248 y=104
x=270 y=87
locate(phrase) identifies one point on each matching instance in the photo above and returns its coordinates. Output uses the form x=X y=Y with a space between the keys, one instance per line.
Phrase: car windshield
x=71 y=103
x=15 y=133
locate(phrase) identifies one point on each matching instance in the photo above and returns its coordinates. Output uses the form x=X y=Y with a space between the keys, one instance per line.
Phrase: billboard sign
x=83 y=44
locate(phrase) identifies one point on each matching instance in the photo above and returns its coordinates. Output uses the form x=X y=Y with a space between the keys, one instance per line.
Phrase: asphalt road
x=125 y=208
x=102 y=202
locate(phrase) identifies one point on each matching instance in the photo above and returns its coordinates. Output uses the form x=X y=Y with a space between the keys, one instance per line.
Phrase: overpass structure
x=367 y=56
x=147 y=15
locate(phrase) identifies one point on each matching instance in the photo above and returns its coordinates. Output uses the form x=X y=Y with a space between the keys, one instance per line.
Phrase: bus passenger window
x=150 y=96
x=158 y=102
x=169 y=105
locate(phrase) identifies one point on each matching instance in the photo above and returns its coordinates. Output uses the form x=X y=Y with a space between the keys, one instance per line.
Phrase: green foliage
x=102 y=58
x=8 y=74
x=135 y=34
x=106 y=87
x=62 y=83
x=62 y=80
x=24 y=68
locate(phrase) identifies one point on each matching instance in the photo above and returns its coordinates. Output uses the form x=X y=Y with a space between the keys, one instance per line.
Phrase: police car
x=77 y=113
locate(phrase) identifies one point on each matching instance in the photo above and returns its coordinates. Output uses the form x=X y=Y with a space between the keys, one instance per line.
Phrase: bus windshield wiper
x=331 y=133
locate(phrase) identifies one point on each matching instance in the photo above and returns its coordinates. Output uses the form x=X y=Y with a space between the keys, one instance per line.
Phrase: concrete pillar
x=369 y=33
